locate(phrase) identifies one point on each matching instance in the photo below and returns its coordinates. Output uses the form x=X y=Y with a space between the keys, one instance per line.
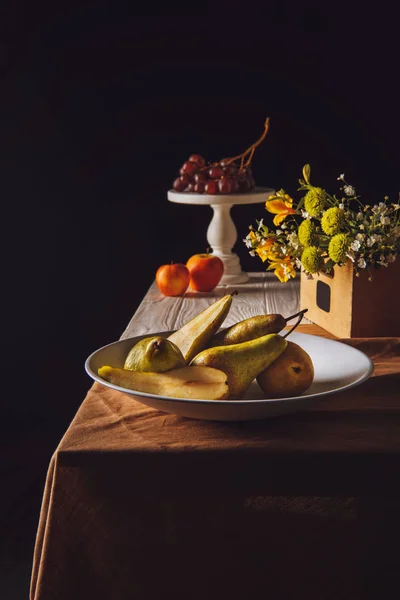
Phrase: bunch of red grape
x=223 y=177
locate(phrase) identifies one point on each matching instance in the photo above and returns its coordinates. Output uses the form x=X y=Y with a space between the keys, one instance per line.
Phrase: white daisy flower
x=385 y=220
x=360 y=237
x=293 y=240
x=349 y=190
x=361 y=263
x=341 y=177
x=359 y=216
x=305 y=214
x=379 y=209
x=341 y=205
x=355 y=245
x=391 y=258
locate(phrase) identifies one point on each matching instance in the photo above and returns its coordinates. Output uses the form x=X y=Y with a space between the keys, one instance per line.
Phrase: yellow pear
x=242 y=362
x=248 y=329
x=290 y=375
x=252 y=328
x=196 y=333
x=155 y=354
x=188 y=382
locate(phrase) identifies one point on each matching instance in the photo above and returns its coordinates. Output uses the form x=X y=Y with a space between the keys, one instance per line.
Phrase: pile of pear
x=202 y=361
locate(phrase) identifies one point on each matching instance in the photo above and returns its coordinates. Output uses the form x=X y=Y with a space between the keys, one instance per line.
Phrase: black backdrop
x=100 y=108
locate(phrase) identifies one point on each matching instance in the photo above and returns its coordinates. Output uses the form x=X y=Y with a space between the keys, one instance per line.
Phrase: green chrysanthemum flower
x=338 y=247
x=306 y=233
x=314 y=201
x=332 y=221
x=312 y=260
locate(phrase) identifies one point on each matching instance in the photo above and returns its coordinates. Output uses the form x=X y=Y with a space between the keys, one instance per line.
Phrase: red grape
x=222 y=177
x=200 y=177
x=230 y=170
x=225 y=185
x=199 y=187
x=189 y=168
x=235 y=184
x=211 y=187
x=186 y=179
x=179 y=185
x=199 y=160
x=215 y=172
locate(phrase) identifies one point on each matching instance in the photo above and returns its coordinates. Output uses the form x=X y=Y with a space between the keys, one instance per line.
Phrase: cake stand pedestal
x=221 y=232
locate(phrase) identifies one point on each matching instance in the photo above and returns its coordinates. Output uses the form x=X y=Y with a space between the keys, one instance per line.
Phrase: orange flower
x=283 y=269
x=281 y=206
x=264 y=250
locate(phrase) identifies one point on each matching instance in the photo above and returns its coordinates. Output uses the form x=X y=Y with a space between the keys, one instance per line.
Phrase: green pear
x=242 y=362
x=154 y=354
x=194 y=336
x=249 y=329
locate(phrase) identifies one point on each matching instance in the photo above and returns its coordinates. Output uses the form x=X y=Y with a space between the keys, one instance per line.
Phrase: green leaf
x=329 y=265
x=307 y=173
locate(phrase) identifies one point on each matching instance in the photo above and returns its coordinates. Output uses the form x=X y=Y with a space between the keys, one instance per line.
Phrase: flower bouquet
x=330 y=237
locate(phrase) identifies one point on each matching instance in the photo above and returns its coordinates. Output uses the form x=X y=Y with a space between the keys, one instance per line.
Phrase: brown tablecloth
x=141 y=504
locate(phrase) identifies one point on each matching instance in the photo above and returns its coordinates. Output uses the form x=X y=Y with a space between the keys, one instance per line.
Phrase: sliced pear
x=194 y=336
x=196 y=383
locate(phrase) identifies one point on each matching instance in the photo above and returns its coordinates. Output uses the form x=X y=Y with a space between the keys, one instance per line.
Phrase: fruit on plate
x=172 y=279
x=196 y=333
x=248 y=329
x=226 y=176
x=242 y=362
x=189 y=382
x=205 y=271
x=154 y=354
x=251 y=328
x=290 y=375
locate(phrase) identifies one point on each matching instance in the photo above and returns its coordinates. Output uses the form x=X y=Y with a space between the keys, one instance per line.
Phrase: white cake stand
x=221 y=232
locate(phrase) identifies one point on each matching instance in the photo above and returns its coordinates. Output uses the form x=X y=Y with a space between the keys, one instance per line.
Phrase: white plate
x=337 y=367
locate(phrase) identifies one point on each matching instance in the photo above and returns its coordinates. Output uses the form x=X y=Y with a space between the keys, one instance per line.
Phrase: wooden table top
x=263 y=294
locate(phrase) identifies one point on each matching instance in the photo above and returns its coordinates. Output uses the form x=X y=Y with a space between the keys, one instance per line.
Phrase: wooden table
x=262 y=294
x=140 y=504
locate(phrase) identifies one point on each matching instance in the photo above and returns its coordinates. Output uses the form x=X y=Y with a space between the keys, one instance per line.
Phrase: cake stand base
x=221 y=232
x=232 y=270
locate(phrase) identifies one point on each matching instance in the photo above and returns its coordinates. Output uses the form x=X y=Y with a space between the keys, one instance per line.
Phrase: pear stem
x=301 y=312
x=300 y=317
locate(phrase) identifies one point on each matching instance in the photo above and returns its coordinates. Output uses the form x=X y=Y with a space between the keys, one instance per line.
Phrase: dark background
x=99 y=108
